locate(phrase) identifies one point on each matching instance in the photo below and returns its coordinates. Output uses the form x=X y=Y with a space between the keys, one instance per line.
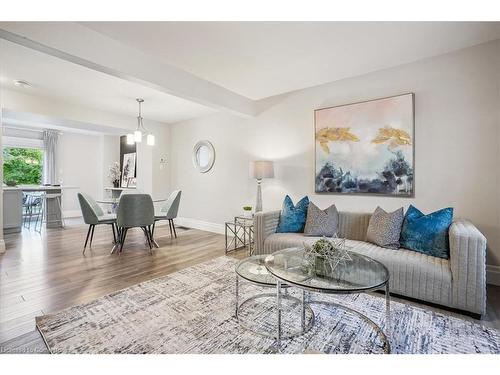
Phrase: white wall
x=110 y=151
x=457 y=144
x=82 y=161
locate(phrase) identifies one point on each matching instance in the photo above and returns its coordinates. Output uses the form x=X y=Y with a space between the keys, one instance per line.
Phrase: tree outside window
x=22 y=165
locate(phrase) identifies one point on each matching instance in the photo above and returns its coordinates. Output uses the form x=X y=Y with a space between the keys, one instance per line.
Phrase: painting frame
x=128 y=168
x=411 y=194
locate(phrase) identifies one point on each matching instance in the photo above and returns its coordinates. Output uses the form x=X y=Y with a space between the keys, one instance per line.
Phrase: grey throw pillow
x=321 y=222
x=384 y=228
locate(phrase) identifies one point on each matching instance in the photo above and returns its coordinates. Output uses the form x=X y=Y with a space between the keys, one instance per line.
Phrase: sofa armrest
x=468 y=266
x=265 y=223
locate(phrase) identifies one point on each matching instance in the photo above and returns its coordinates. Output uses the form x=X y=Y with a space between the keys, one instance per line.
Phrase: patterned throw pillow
x=427 y=234
x=293 y=218
x=321 y=222
x=384 y=228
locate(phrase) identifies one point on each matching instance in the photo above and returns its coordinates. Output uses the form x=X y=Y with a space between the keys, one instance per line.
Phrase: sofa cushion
x=353 y=225
x=293 y=218
x=385 y=228
x=427 y=234
x=412 y=274
x=321 y=222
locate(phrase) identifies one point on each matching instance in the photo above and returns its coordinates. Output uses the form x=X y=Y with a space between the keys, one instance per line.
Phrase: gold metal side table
x=240 y=233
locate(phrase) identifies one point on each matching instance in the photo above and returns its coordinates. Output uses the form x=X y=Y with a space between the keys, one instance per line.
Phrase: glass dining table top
x=117 y=200
x=293 y=266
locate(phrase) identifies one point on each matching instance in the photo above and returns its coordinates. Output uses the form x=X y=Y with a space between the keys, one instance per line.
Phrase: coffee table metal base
x=306 y=310
x=385 y=342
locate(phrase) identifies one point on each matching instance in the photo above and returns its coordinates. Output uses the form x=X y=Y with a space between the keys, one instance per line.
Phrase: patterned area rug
x=192 y=311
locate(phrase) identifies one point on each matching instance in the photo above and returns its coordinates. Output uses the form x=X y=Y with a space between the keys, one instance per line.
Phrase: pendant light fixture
x=136 y=137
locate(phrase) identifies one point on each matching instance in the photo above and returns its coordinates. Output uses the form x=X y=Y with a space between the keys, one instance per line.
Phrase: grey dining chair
x=93 y=215
x=169 y=211
x=135 y=211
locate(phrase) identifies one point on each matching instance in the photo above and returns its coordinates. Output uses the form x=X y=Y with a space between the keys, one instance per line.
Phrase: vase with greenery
x=247 y=211
x=114 y=174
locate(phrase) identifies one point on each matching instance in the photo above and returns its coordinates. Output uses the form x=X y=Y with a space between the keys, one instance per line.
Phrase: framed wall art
x=366 y=147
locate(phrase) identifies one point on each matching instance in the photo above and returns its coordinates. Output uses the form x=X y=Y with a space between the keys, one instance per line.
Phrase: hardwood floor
x=44 y=273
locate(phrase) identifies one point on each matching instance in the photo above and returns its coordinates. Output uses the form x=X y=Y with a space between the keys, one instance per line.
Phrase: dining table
x=114 y=201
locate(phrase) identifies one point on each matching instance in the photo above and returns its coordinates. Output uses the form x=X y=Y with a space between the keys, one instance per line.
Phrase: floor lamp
x=260 y=169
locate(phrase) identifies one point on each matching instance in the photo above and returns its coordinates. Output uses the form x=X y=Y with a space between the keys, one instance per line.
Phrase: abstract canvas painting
x=366 y=148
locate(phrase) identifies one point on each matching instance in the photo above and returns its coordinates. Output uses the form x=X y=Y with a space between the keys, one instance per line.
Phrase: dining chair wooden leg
x=173 y=226
x=170 y=227
x=91 y=236
x=116 y=246
x=87 y=238
x=152 y=234
x=146 y=233
x=114 y=234
x=151 y=240
x=124 y=234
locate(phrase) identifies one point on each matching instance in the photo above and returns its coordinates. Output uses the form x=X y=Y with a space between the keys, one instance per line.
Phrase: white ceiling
x=55 y=78
x=261 y=59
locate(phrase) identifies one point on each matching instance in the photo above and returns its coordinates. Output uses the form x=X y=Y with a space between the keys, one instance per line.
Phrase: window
x=22 y=165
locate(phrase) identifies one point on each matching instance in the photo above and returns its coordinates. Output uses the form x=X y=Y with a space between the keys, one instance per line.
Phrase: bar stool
x=32 y=207
x=58 y=198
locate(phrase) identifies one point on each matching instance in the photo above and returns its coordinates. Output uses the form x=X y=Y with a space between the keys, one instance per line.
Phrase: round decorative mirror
x=203 y=156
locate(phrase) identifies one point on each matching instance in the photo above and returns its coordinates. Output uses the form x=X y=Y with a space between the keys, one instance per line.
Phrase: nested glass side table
x=256 y=312
x=239 y=234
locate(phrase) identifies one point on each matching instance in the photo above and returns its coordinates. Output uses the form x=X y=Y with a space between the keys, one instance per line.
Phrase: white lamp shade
x=261 y=169
x=150 y=140
x=137 y=136
x=130 y=139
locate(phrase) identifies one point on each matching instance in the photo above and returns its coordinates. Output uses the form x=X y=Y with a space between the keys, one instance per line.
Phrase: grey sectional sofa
x=458 y=282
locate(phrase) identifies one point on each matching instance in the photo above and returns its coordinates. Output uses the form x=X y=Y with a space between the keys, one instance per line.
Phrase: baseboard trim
x=200 y=224
x=72 y=213
x=493 y=275
x=2 y=246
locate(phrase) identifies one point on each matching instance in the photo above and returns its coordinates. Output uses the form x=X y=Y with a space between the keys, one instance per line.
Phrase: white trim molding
x=72 y=213
x=493 y=275
x=200 y=224
x=2 y=246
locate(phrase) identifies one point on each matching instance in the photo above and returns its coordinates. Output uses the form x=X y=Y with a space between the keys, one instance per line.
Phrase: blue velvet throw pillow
x=293 y=218
x=427 y=234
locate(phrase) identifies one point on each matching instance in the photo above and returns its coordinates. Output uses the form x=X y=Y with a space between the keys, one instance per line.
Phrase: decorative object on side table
x=242 y=231
x=260 y=169
x=326 y=254
x=247 y=211
x=114 y=174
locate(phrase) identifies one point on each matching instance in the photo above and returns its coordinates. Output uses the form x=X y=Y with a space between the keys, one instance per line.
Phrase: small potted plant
x=114 y=174
x=247 y=211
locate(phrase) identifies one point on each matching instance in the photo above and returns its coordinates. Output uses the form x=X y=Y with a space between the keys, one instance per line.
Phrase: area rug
x=192 y=311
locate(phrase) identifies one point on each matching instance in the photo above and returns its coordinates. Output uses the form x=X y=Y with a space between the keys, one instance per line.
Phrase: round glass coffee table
x=253 y=270
x=360 y=274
